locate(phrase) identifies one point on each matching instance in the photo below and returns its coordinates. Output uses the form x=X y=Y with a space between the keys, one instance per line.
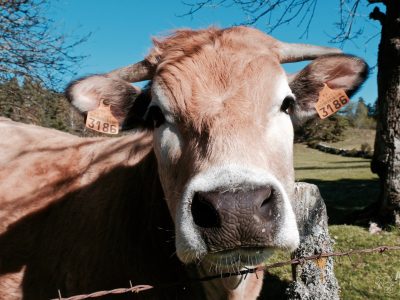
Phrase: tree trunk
x=312 y=279
x=386 y=160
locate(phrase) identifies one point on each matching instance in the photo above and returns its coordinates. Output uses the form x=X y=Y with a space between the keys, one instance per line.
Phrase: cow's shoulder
x=40 y=165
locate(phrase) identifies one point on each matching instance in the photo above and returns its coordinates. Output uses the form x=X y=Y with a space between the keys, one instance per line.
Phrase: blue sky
x=122 y=30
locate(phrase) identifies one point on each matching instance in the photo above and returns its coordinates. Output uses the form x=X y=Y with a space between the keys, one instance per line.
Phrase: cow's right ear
x=127 y=102
x=338 y=71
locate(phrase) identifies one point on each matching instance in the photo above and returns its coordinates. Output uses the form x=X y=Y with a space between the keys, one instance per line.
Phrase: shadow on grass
x=344 y=197
x=350 y=162
x=329 y=168
x=273 y=288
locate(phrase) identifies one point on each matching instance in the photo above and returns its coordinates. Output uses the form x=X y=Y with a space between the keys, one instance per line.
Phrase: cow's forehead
x=219 y=78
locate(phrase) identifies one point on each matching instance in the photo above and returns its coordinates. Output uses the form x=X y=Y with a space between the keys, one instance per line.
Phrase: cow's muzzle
x=234 y=212
x=236 y=219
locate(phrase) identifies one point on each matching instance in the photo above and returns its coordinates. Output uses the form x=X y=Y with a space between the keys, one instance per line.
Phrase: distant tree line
x=354 y=115
x=361 y=115
x=29 y=102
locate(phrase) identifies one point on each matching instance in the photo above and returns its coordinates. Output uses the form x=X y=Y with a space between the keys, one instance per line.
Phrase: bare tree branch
x=348 y=15
x=280 y=12
x=30 y=48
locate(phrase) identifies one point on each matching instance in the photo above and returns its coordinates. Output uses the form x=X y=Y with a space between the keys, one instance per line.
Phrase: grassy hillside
x=316 y=165
x=353 y=138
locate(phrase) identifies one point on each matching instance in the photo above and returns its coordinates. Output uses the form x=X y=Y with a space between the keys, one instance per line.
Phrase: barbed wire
x=295 y=261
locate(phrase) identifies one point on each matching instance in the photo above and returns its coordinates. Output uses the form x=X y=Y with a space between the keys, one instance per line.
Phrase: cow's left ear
x=127 y=102
x=338 y=71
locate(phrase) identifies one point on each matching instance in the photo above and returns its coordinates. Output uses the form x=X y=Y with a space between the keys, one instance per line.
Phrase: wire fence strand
x=295 y=261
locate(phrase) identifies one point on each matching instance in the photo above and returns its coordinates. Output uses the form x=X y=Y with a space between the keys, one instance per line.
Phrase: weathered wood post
x=313 y=279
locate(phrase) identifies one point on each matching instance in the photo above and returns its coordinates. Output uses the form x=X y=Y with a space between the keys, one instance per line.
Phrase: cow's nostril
x=203 y=212
x=267 y=197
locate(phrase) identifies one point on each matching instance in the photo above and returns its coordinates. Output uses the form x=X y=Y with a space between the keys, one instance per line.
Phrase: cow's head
x=222 y=110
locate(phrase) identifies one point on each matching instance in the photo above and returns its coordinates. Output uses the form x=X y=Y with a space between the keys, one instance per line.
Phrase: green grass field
x=346 y=185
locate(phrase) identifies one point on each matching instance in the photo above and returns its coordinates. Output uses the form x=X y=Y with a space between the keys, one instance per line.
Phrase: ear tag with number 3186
x=102 y=120
x=330 y=101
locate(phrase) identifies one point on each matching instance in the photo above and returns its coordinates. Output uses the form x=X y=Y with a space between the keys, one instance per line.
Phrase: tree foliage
x=30 y=103
x=330 y=129
x=373 y=110
x=362 y=115
x=29 y=46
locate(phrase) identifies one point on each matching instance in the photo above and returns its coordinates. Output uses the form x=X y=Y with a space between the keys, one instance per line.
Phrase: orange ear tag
x=330 y=101
x=102 y=120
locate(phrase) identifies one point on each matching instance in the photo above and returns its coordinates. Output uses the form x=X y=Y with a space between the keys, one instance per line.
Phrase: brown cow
x=82 y=215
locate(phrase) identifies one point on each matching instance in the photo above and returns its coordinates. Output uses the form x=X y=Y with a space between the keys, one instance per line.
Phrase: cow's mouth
x=232 y=260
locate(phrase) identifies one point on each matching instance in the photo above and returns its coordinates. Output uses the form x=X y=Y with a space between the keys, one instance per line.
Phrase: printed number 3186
x=334 y=106
x=102 y=126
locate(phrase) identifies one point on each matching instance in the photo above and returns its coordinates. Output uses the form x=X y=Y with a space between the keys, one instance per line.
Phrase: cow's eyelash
x=287 y=104
x=156 y=116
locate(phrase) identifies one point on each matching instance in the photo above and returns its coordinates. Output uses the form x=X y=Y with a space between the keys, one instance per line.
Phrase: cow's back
x=80 y=215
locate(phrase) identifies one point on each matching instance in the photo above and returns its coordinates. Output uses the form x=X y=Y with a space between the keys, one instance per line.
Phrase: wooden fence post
x=313 y=279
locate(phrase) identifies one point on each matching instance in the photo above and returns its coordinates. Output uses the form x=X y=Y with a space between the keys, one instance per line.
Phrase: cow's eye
x=287 y=104
x=155 y=116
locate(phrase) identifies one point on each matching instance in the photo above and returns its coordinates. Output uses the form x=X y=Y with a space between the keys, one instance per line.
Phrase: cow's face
x=222 y=109
x=224 y=149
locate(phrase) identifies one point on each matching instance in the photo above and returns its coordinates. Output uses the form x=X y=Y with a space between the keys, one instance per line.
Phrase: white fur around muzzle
x=189 y=243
